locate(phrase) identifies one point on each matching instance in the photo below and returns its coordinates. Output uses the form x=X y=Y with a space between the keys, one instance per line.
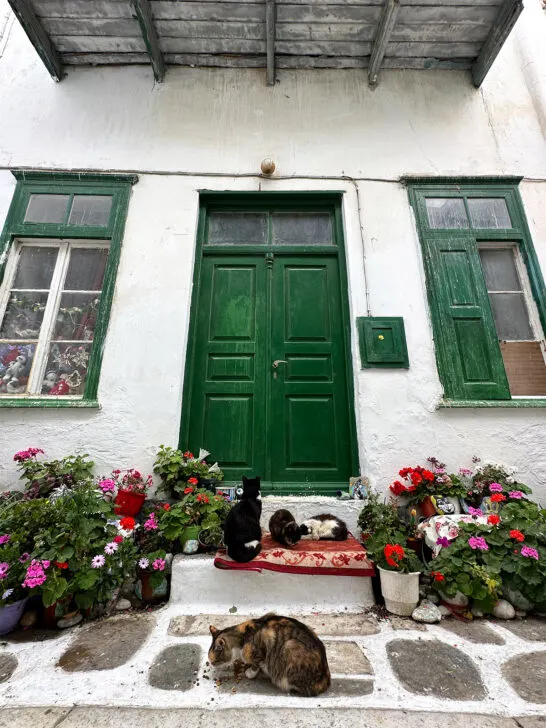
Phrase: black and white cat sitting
x=242 y=530
x=324 y=527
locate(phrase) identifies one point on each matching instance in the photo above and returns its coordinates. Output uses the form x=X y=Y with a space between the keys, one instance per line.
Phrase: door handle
x=277 y=362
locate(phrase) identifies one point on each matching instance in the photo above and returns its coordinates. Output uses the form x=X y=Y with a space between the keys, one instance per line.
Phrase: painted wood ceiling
x=272 y=34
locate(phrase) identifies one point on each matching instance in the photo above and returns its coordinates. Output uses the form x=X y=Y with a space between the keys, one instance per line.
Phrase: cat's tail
x=243 y=553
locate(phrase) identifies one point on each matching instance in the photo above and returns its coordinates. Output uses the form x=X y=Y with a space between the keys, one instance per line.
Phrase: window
x=485 y=290
x=61 y=245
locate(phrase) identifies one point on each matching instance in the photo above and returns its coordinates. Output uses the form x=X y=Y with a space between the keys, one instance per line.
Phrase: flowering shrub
x=177 y=468
x=42 y=477
x=129 y=480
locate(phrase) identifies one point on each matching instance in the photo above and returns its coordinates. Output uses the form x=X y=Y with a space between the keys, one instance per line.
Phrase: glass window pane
x=499 y=268
x=77 y=316
x=86 y=269
x=237 y=228
x=511 y=317
x=47 y=208
x=90 y=210
x=15 y=365
x=24 y=315
x=66 y=369
x=489 y=212
x=35 y=267
x=446 y=212
x=302 y=228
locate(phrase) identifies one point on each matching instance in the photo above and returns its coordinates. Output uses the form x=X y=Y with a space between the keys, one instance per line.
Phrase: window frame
x=16 y=229
x=518 y=236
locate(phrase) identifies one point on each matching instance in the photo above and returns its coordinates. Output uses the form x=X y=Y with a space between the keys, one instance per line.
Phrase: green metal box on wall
x=382 y=342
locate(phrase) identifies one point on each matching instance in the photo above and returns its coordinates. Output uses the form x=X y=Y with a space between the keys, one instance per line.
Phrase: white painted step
x=303 y=507
x=199 y=588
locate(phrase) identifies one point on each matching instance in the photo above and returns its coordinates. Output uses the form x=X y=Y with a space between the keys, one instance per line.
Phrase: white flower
x=144 y=563
x=110 y=548
x=7 y=593
x=203 y=453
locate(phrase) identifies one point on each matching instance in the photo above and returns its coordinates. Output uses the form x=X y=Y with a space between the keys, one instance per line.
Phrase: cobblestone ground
x=159 y=660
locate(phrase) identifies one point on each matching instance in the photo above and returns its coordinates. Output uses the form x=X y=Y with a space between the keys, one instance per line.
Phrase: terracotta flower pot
x=427 y=507
x=146 y=592
x=128 y=503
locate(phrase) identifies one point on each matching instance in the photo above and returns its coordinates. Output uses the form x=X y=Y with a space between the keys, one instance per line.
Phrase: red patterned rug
x=334 y=558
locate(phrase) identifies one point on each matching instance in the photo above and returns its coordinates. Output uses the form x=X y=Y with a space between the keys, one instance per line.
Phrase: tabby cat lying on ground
x=284 y=528
x=285 y=650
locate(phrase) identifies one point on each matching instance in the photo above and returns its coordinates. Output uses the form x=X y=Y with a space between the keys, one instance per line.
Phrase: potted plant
x=152 y=585
x=211 y=537
x=132 y=488
x=425 y=486
x=399 y=570
x=197 y=511
x=177 y=468
x=13 y=589
x=376 y=514
x=43 y=477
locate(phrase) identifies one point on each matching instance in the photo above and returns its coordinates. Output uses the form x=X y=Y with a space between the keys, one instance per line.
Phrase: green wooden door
x=289 y=423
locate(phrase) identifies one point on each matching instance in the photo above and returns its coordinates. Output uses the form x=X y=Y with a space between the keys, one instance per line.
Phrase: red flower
x=61 y=564
x=127 y=523
x=391 y=550
x=416 y=478
x=118 y=539
x=189 y=489
x=405 y=472
x=192 y=481
x=167 y=507
x=517 y=535
x=202 y=498
x=498 y=498
x=493 y=519
x=188 y=454
x=428 y=475
x=437 y=576
x=398 y=488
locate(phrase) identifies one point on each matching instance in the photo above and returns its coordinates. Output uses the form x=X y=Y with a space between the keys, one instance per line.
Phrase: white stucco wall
x=210 y=129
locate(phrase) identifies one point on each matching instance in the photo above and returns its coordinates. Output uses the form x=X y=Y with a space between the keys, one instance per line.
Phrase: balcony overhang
x=270 y=34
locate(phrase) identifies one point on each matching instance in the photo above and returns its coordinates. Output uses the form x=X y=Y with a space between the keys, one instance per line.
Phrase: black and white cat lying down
x=324 y=527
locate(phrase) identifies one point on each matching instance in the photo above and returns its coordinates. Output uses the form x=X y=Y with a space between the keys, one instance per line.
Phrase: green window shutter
x=467 y=348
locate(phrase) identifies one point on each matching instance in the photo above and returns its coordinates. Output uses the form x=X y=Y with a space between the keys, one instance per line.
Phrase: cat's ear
x=213 y=630
x=244 y=479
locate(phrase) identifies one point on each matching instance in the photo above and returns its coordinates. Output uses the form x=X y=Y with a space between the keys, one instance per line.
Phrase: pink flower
x=475 y=511
x=35 y=575
x=151 y=524
x=107 y=485
x=23 y=455
x=110 y=548
x=24 y=558
x=98 y=561
x=4 y=539
x=118 y=539
x=529 y=552
x=515 y=494
x=159 y=565
x=477 y=542
x=46 y=564
x=495 y=488
x=465 y=471
x=4 y=568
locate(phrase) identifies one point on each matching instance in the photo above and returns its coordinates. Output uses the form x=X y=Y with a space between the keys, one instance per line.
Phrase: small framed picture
x=358 y=487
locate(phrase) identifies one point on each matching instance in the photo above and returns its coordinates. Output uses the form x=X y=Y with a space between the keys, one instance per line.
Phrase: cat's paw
x=251 y=672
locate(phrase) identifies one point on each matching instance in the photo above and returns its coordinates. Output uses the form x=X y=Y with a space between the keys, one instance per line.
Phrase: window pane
x=86 y=269
x=237 y=228
x=511 y=317
x=15 y=365
x=489 y=212
x=90 y=210
x=66 y=369
x=302 y=229
x=47 y=208
x=77 y=316
x=35 y=267
x=448 y=212
x=24 y=315
x=499 y=268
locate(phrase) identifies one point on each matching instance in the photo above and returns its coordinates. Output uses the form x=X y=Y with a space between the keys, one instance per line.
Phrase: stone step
x=198 y=587
x=304 y=507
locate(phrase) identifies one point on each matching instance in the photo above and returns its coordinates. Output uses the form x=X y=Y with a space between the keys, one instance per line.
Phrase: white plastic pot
x=400 y=591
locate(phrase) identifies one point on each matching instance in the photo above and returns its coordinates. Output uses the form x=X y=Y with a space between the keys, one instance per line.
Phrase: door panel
x=227 y=408
x=309 y=425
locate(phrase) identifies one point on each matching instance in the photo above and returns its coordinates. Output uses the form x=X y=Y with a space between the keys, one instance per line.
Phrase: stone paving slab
x=34 y=634
x=530 y=629
x=8 y=663
x=175 y=668
x=333 y=625
x=531 y=721
x=107 y=644
x=401 y=623
x=91 y=717
x=32 y=717
x=346 y=658
x=478 y=632
x=527 y=675
x=430 y=667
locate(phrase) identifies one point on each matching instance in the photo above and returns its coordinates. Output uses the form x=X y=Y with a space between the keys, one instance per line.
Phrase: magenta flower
x=35 y=575
x=529 y=552
x=45 y=564
x=515 y=494
x=495 y=488
x=23 y=455
x=443 y=541
x=24 y=558
x=144 y=563
x=110 y=548
x=107 y=485
x=159 y=565
x=98 y=561
x=4 y=539
x=475 y=511
x=477 y=542
x=4 y=568
x=151 y=524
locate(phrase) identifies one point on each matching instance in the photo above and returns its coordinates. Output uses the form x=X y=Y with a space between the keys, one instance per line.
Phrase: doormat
x=324 y=558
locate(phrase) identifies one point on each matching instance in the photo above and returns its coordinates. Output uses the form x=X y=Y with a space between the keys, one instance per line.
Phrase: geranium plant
x=420 y=482
x=13 y=561
x=175 y=468
x=198 y=507
x=129 y=480
x=44 y=476
x=153 y=562
x=395 y=556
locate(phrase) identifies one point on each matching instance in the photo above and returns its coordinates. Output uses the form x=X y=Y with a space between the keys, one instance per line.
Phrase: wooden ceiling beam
x=384 y=30
x=270 y=33
x=38 y=37
x=501 y=29
x=151 y=40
